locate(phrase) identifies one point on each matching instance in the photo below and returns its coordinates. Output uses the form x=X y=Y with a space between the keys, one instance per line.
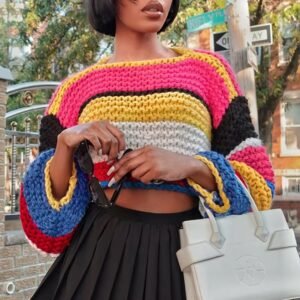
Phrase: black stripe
x=235 y=127
x=49 y=130
x=143 y=93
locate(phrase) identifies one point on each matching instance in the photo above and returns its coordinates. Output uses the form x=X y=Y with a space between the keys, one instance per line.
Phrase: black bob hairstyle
x=101 y=14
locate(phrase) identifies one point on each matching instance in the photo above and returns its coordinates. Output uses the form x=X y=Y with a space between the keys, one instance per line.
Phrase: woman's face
x=144 y=16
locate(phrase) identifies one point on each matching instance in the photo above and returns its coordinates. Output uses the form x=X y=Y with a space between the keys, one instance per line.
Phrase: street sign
x=261 y=35
x=252 y=57
x=206 y=20
x=221 y=41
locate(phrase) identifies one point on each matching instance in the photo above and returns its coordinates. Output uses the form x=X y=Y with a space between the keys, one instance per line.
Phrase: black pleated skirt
x=119 y=254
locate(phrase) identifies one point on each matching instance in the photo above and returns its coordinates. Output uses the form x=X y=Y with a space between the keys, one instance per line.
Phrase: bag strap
x=217 y=238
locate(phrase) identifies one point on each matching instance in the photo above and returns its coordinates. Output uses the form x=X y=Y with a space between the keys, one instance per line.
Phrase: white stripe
x=174 y=136
x=43 y=253
x=253 y=142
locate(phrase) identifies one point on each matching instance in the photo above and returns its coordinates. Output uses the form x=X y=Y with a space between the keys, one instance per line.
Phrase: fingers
x=137 y=163
x=119 y=135
x=107 y=138
x=94 y=140
x=127 y=166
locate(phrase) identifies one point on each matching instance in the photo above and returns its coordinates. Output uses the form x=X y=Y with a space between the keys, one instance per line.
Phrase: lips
x=153 y=6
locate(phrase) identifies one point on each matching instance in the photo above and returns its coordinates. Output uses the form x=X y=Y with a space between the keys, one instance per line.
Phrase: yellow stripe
x=54 y=203
x=208 y=196
x=259 y=189
x=171 y=106
x=220 y=69
x=184 y=54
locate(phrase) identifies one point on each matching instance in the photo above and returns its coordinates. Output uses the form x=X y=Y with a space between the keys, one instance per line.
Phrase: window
x=290 y=127
x=291 y=187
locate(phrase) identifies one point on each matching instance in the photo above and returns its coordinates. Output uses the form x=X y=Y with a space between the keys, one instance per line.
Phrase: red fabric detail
x=45 y=243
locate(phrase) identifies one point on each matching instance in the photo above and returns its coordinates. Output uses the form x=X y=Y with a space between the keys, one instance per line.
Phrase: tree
x=271 y=82
x=62 y=42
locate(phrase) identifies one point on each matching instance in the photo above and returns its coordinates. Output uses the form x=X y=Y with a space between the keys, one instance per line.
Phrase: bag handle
x=217 y=238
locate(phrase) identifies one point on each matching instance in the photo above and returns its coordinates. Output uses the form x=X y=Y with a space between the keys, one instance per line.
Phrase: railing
x=21 y=147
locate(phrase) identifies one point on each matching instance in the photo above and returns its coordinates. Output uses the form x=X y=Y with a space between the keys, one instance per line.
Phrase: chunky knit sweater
x=189 y=104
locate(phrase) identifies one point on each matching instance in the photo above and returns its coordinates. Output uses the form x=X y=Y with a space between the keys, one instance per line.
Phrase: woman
x=188 y=125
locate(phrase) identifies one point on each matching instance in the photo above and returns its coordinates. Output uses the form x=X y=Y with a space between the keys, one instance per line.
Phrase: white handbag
x=240 y=257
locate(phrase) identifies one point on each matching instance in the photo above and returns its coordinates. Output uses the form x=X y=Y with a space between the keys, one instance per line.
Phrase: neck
x=133 y=46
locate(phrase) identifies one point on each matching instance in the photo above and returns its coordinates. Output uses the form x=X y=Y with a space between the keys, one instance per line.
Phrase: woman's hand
x=106 y=138
x=152 y=163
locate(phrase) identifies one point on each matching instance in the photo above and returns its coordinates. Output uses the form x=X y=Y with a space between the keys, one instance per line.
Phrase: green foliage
x=62 y=41
x=270 y=89
x=60 y=37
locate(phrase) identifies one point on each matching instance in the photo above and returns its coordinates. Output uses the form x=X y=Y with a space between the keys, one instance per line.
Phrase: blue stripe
x=51 y=222
x=239 y=202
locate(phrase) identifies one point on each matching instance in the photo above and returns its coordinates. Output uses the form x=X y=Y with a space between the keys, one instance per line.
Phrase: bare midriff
x=155 y=201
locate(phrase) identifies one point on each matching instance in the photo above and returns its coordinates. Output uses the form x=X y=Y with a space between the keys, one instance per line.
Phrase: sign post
x=239 y=41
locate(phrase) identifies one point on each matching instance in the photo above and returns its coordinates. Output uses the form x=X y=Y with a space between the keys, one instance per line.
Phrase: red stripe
x=43 y=242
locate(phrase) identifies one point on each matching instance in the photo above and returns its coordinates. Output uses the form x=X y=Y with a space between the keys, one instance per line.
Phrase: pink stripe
x=228 y=69
x=191 y=74
x=54 y=96
x=257 y=159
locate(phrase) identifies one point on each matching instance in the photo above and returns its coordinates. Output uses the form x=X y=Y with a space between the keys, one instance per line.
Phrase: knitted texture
x=47 y=223
x=44 y=243
x=189 y=104
x=53 y=202
x=228 y=186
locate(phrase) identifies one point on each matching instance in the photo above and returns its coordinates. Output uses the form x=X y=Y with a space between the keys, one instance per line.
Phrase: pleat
x=124 y=277
x=119 y=254
x=164 y=274
x=52 y=279
x=107 y=274
x=152 y=265
x=137 y=286
x=177 y=282
x=80 y=237
x=84 y=257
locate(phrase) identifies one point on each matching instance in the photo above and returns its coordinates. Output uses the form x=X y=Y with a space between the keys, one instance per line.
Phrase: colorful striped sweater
x=189 y=104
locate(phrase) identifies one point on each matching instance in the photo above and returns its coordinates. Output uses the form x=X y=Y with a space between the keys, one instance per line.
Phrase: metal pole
x=39 y=119
x=27 y=142
x=13 y=168
x=239 y=37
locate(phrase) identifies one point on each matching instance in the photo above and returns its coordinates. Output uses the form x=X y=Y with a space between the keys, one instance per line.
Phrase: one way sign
x=221 y=41
x=261 y=35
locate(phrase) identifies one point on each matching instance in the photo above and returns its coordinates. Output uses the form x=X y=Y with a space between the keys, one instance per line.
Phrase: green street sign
x=206 y=20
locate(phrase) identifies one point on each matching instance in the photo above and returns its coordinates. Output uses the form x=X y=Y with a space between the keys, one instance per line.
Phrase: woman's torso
x=169 y=103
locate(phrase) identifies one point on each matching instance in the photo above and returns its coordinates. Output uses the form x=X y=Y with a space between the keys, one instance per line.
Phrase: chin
x=153 y=28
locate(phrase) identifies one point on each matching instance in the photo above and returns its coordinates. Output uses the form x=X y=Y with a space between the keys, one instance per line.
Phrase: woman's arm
x=235 y=148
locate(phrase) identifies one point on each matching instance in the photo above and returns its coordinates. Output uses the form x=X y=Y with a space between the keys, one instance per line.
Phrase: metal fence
x=21 y=147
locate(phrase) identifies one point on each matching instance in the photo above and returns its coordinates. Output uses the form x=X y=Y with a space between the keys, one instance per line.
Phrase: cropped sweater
x=189 y=104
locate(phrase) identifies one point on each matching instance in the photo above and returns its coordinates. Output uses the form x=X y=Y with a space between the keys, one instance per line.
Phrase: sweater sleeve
x=49 y=223
x=236 y=150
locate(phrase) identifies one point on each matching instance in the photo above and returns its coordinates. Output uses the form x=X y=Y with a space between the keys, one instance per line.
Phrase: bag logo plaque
x=250 y=270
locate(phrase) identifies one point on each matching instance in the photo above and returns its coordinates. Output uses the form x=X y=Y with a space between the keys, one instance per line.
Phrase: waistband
x=149 y=217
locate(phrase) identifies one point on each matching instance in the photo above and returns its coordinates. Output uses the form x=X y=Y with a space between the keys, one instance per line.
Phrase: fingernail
x=111 y=170
x=120 y=154
x=105 y=157
x=100 y=152
x=110 y=162
x=111 y=182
